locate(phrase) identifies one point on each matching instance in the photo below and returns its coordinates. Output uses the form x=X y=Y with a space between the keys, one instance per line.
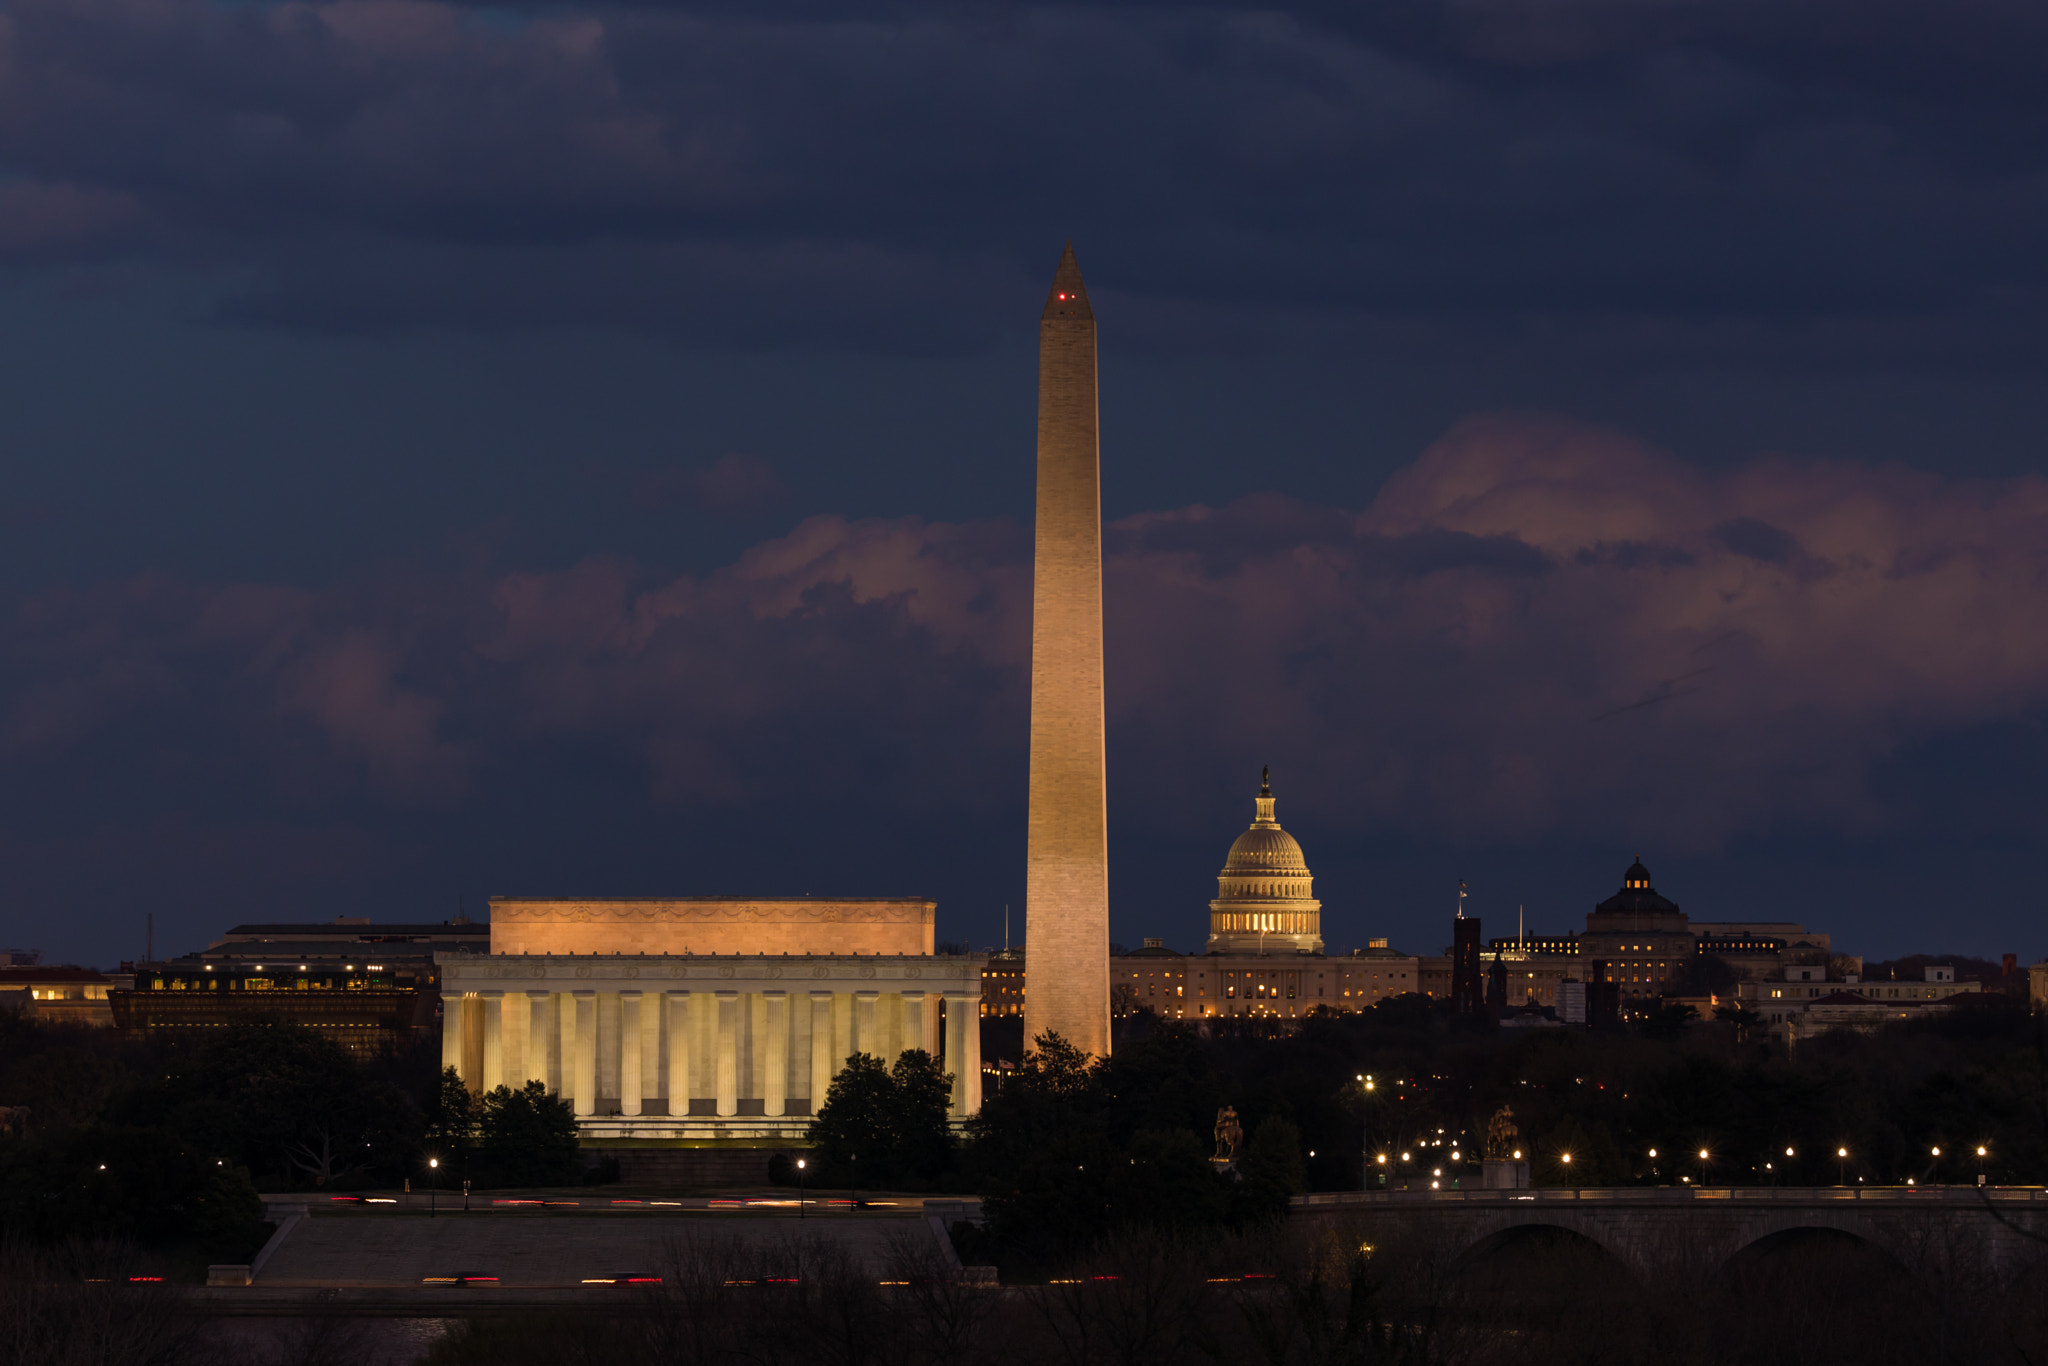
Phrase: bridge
x=1656 y=1231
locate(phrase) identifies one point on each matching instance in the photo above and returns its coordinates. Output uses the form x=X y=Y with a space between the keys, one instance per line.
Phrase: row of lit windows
x=1265 y=923
x=263 y=984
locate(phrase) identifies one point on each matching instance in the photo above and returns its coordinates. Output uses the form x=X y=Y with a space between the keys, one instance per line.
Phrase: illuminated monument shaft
x=1066 y=889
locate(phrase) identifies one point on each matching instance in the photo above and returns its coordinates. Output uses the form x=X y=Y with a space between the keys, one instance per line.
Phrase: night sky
x=453 y=451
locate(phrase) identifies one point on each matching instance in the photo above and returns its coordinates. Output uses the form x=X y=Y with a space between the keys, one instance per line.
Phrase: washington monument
x=1066 y=883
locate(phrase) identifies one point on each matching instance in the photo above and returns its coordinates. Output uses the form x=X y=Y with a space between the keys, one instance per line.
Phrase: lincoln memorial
x=706 y=1017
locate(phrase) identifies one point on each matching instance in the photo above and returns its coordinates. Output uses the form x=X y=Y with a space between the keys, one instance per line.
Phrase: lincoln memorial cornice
x=878 y=910
x=939 y=972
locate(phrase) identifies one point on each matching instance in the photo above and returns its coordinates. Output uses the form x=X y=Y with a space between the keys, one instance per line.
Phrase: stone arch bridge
x=1999 y=1232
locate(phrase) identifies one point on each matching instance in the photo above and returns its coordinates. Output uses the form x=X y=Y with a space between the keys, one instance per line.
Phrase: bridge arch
x=1766 y=1230
x=1565 y=1230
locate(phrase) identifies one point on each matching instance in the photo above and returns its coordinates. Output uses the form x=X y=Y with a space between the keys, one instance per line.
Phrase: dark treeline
x=1063 y=1151
x=162 y=1143
x=1976 y=1076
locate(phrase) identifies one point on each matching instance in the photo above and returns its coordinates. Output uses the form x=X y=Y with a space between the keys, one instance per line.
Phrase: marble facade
x=740 y=1044
x=741 y=1047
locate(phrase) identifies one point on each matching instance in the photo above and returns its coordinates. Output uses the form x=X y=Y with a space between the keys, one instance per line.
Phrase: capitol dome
x=1265 y=899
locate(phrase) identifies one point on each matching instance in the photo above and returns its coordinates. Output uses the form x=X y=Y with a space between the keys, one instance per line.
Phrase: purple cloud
x=1472 y=653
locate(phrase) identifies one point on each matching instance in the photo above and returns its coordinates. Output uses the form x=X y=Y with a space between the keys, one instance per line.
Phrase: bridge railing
x=1794 y=1195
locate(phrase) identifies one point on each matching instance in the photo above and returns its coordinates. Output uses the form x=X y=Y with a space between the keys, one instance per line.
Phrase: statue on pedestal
x=1229 y=1136
x=1501 y=1134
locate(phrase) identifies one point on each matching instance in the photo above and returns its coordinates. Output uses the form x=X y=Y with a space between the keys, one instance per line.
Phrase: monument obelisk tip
x=1068 y=297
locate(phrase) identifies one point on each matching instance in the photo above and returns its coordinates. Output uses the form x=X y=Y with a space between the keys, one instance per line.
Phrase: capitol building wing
x=706 y=1017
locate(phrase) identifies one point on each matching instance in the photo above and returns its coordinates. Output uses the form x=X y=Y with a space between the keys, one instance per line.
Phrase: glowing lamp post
x=1703 y=1166
x=1365 y=1090
x=799 y=1188
x=1842 y=1166
x=1981 y=1153
x=433 y=1183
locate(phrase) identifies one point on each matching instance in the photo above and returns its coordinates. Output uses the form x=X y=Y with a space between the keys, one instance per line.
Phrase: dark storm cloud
x=1758 y=540
x=855 y=178
x=887 y=658
x=1224 y=540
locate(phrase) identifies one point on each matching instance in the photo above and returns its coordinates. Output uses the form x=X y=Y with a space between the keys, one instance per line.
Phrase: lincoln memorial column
x=473 y=1041
x=631 y=1089
x=960 y=1027
x=493 y=1004
x=512 y=1039
x=913 y=1021
x=775 y=1075
x=607 y=1049
x=890 y=1026
x=843 y=1043
x=728 y=1053
x=562 y=1053
x=822 y=1061
x=679 y=1045
x=537 y=1003
x=451 y=1031
x=653 y=1081
x=970 y=1057
x=864 y=1040
x=583 y=1066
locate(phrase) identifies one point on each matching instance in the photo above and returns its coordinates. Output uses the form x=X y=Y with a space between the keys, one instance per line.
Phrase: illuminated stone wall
x=712 y=925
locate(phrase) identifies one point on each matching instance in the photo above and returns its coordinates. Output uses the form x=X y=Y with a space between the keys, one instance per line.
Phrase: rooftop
x=26 y=975
x=350 y=929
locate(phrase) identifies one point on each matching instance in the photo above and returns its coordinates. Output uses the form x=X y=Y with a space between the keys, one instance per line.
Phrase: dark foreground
x=1344 y=1289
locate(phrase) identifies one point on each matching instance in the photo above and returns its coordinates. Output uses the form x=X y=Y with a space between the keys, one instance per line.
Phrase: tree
x=280 y=1098
x=879 y=1126
x=525 y=1137
x=1668 y=1020
x=852 y=1126
x=452 y=1121
x=63 y=1087
x=124 y=1182
x=1741 y=1016
x=921 y=1139
x=1706 y=974
x=1272 y=1169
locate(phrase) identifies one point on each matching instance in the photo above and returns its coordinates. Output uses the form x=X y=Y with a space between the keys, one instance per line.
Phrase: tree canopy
x=882 y=1126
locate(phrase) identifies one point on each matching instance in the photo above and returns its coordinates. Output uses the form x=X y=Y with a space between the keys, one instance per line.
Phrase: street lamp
x=434 y=1183
x=1980 y=1164
x=799 y=1188
x=1841 y=1166
x=1703 y=1166
x=1365 y=1084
